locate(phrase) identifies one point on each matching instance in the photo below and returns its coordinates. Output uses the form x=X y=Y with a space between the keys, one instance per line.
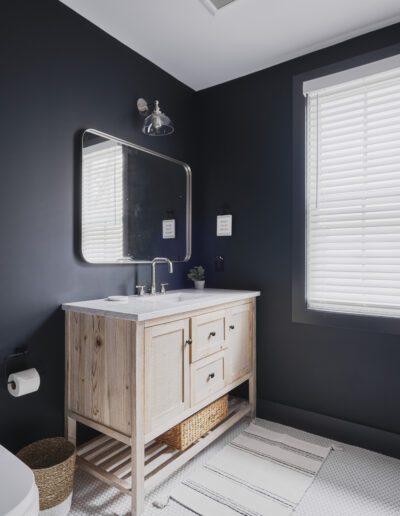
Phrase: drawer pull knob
x=212 y=333
x=188 y=342
x=210 y=376
x=232 y=327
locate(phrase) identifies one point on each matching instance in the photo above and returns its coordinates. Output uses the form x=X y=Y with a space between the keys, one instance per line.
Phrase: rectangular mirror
x=136 y=203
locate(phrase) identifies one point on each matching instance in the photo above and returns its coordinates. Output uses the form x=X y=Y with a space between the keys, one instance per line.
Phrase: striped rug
x=259 y=473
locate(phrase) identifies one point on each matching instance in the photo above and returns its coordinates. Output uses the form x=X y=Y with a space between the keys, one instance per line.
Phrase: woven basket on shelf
x=186 y=433
x=53 y=464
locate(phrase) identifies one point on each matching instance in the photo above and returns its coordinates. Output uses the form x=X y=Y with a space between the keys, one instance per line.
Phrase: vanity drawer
x=208 y=333
x=208 y=376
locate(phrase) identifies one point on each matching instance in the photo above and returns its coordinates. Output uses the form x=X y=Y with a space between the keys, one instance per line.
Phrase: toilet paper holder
x=20 y=352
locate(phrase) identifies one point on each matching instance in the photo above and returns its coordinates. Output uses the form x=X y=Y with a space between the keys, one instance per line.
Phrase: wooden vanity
x=135 y=369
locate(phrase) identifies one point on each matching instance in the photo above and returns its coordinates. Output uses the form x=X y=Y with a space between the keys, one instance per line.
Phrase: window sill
x=372 y=323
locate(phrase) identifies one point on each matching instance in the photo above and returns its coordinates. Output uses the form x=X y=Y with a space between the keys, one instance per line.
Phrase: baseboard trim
x=355 y=434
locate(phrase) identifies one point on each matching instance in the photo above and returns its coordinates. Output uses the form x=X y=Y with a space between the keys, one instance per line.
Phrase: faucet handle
x=163 y=289
x=140 y=289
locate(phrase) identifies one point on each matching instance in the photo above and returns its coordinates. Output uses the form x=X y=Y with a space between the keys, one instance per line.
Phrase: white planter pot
x=199 y=284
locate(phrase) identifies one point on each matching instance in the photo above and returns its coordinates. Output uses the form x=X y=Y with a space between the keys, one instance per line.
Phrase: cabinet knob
x=232 y=327
x=188 y=342
x=210 y=376
x=212 y=334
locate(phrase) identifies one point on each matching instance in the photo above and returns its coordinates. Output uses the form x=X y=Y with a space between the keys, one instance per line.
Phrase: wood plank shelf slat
x=104 y=455
x=237 y=411
x=110 y=460
x=93 y=444
x=117 y=459
x=122 y=469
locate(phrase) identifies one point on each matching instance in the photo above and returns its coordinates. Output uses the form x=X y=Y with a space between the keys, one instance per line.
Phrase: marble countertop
x=143 y=308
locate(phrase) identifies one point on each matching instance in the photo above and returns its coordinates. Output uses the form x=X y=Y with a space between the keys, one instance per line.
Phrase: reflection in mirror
x=136 y=204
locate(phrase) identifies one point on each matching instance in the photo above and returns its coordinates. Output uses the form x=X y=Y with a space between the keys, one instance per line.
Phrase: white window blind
x=353 y=195
x=102 y=202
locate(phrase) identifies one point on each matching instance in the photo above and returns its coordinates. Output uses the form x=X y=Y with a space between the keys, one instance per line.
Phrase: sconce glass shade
x=157 y=123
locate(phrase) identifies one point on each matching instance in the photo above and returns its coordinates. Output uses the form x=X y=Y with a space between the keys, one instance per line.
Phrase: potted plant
x=197 y=274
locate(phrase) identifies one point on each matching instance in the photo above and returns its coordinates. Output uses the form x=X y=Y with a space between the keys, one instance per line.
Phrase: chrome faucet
x=154 y=262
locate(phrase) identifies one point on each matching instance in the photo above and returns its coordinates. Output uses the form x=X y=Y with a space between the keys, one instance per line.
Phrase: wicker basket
x=186 y=433
x=53 y=464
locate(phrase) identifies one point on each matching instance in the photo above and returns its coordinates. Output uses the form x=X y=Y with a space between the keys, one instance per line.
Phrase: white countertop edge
x=217 y=297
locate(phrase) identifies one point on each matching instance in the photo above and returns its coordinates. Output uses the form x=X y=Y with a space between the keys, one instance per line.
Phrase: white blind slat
x=353 y=191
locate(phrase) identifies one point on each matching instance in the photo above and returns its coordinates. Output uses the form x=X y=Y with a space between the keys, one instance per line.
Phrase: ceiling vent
x=213 y=6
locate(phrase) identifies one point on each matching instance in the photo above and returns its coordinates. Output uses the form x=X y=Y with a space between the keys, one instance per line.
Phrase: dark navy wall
x=60 y=74
x=344 y=383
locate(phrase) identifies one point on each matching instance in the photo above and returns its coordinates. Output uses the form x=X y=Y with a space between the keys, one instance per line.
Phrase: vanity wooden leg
x=253 y=379
x=137 y=386
x=253 y=396
x=69 y=424
x=70 y=430
x=137 y=506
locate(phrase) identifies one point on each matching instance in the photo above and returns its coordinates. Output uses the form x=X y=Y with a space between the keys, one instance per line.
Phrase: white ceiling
x=202 y=49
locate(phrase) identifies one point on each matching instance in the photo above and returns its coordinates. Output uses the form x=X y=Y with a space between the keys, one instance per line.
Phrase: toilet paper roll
x=23 y=382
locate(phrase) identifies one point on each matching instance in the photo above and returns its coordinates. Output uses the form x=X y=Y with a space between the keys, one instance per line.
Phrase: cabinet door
x=167 y=381
x=239 y=341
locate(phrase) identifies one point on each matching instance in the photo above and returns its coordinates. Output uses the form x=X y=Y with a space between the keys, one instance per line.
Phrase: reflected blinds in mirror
x=102 y=220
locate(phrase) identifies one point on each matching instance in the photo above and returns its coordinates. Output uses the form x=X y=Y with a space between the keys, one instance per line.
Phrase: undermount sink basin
x=176 y=297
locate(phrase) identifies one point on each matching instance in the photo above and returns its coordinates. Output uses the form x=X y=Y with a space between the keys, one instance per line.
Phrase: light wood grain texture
x=166 y=372
x=253 y=378
x=117 y=459
x=66 y=373
x=119 y=372
x=93 y=444
x=138 y=414
x=100 y=369
x=70 y=424
x=207 y=334
x=70 y=432
x=238 y=329
x=132 y=381
x=192 y=410
x=159 y=460
x=99 y=456
x=100 y=428
x=100 y=449
x=208 y=376
x=104 y=476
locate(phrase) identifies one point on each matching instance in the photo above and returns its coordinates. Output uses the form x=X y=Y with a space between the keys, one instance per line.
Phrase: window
x=102 y=202
x=353 y=190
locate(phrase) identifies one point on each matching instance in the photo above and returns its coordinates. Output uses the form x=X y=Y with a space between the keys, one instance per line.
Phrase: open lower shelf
x=110 y=460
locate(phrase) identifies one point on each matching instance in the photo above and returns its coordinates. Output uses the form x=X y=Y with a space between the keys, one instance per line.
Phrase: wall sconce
x=157 y=123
